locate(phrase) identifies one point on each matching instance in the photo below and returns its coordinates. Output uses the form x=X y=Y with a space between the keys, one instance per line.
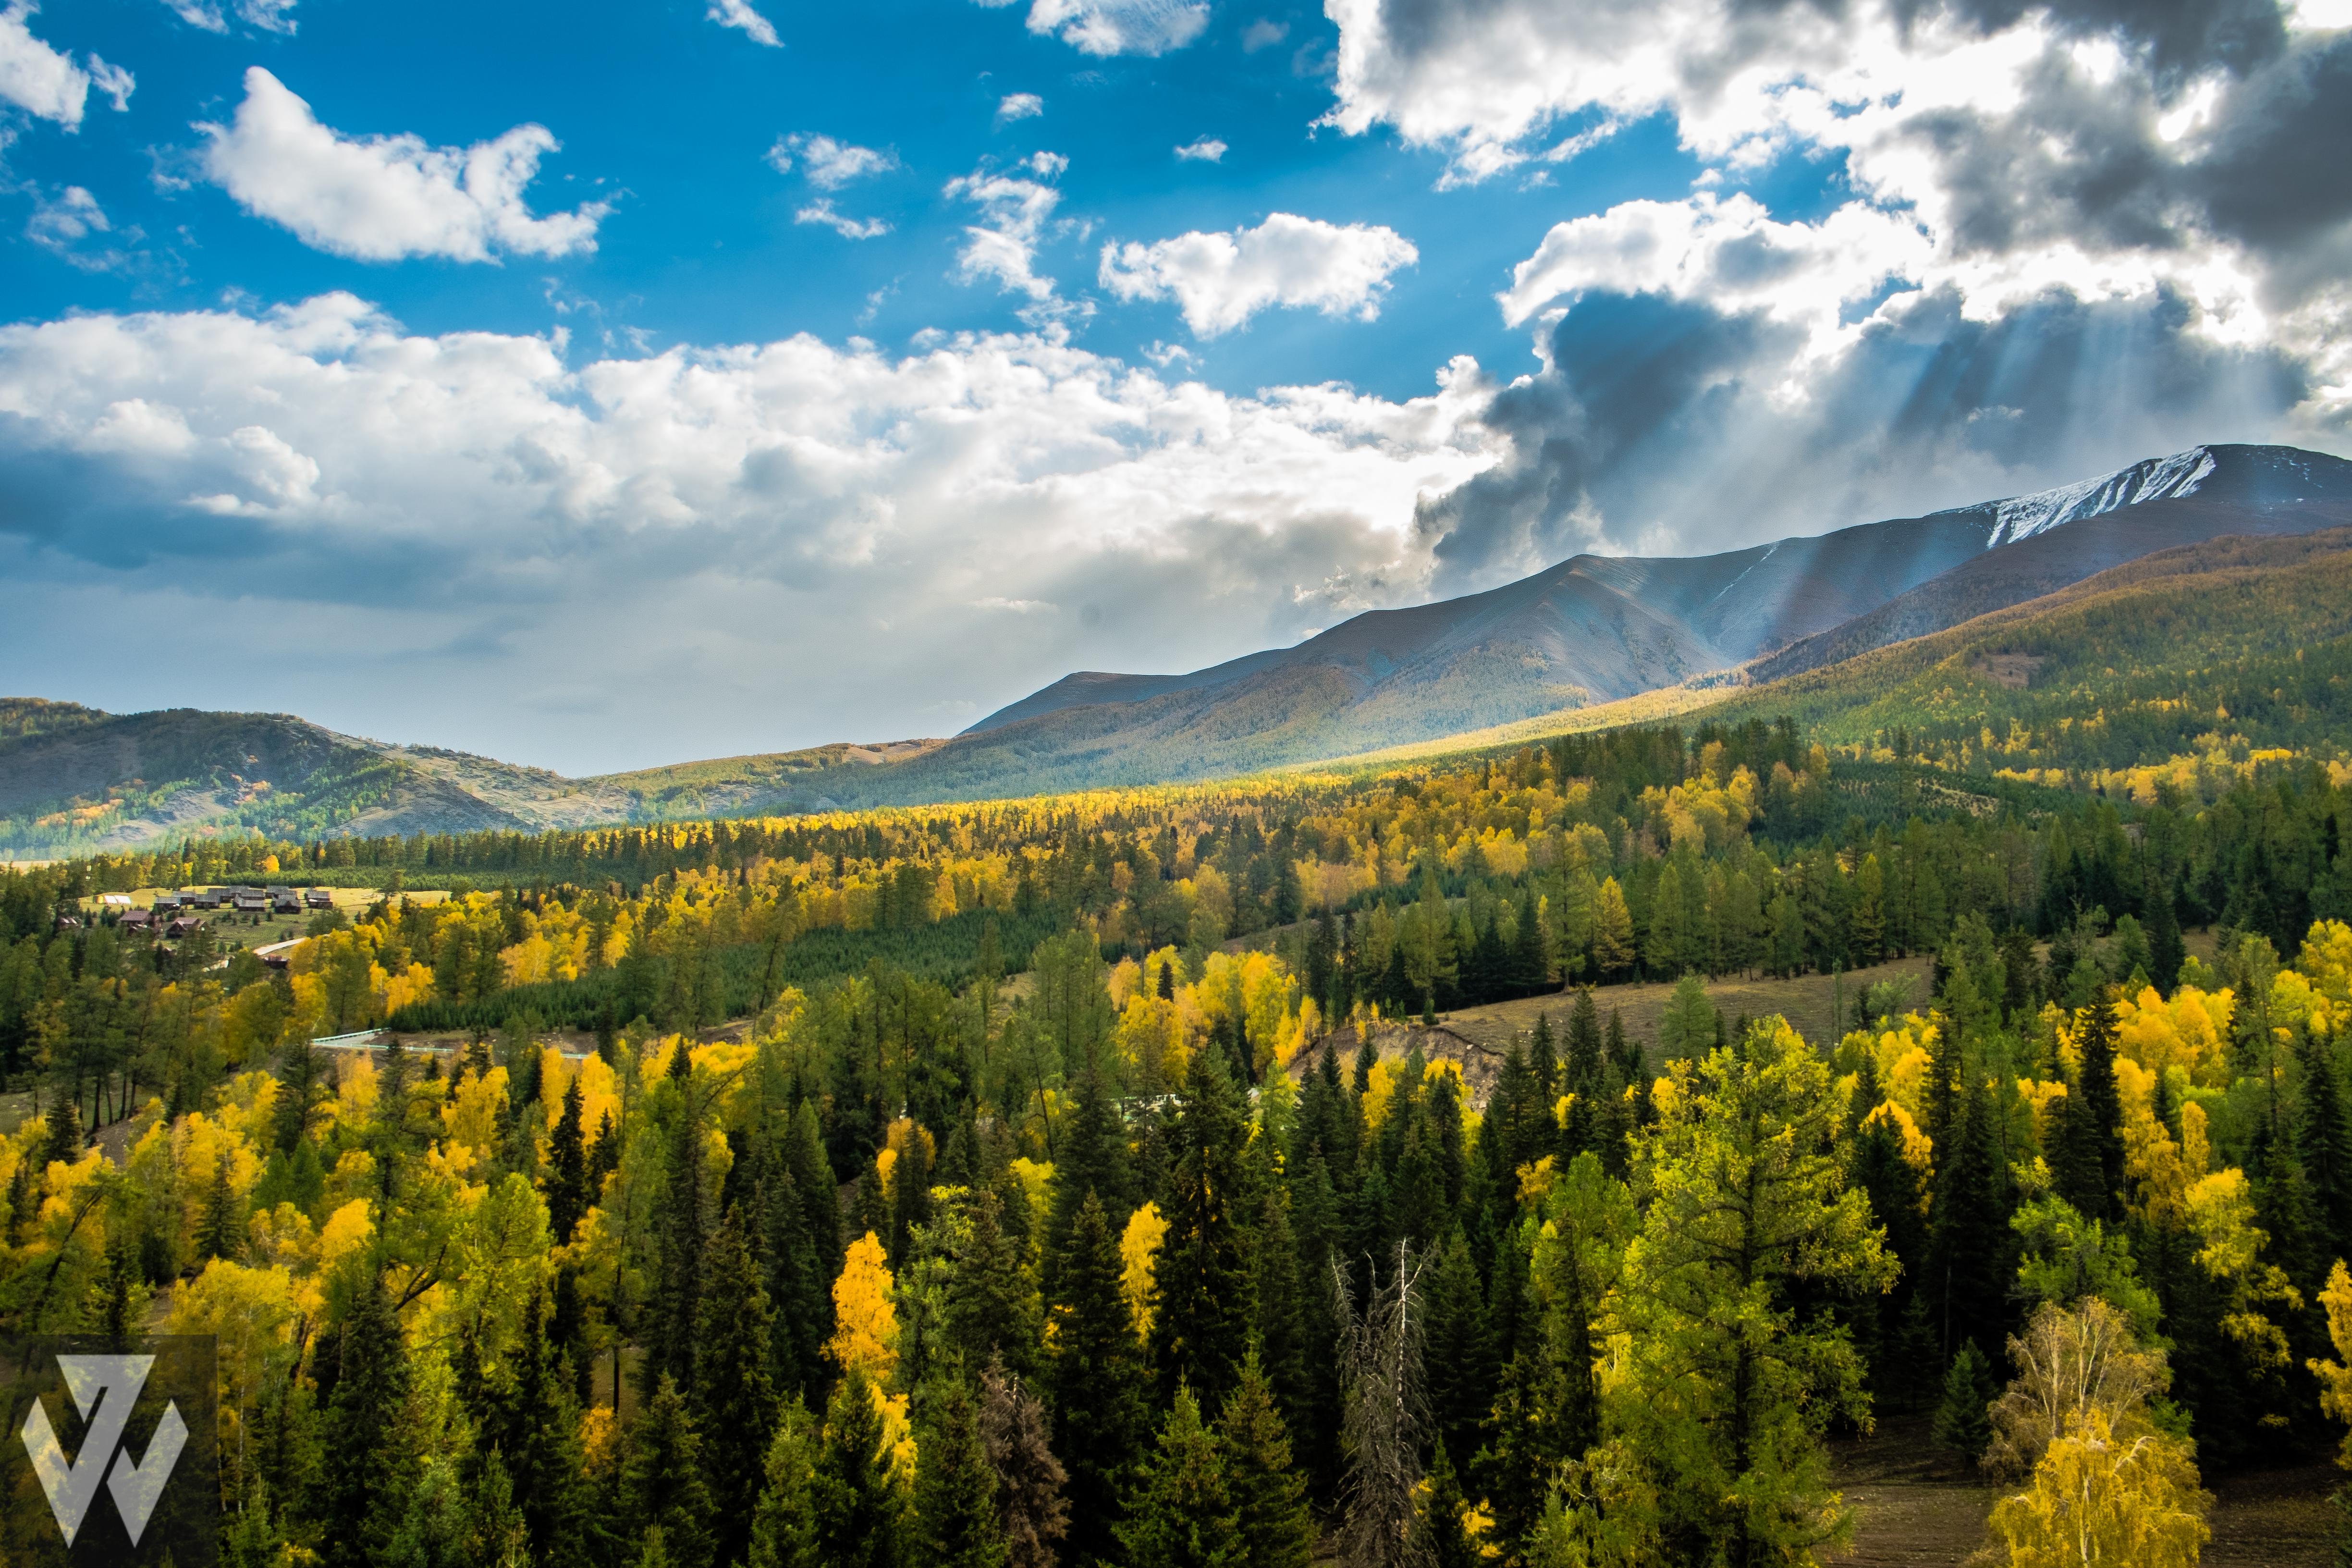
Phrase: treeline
x=1142 y=1269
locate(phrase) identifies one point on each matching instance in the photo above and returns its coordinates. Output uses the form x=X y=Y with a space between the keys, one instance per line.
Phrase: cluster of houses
x=248 y=900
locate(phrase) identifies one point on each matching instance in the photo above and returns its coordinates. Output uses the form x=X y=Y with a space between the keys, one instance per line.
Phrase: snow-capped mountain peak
x=2153 y=479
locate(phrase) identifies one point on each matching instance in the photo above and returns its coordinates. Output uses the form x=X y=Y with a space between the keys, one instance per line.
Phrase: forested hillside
x=1031 y=1219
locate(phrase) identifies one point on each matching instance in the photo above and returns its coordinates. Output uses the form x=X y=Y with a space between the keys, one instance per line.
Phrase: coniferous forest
x=1074 y=1181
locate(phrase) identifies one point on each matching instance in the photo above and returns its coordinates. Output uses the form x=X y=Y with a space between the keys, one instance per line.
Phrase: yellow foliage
x=1036 y=1180
x=2326 y=961
x=2098 y=1498
x=249 y=1313
x=1139 y=1250
x=469 y=1120
x=347 y=1232
x=2190 y=1031
x=2336 y=1376
x=1918 y=1149
x=865 y=1313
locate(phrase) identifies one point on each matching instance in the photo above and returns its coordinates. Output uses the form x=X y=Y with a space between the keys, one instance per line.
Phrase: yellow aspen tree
x=865 y=1313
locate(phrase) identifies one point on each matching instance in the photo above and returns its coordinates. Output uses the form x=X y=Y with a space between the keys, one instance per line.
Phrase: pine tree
x=370 y=1464
x=1200 y=1327
x=2322 y=1143
x=956 y=1522
x=1031 y=1509
x=860 y=1506
x=681 y=1235
x=1182 y=1515
x=784 y=1528
x=1962 y=1424
x=1275 y=1528
x=1096 y=1384
x=2090 y=1172
x=1459 y=1357
x=1969 y=1251
x=536 y=1432
x=735 y=1401
x=1445 y=1543
x=221 y=1232
x=567 y=1169
x=662 y=1484
x=992 y=1306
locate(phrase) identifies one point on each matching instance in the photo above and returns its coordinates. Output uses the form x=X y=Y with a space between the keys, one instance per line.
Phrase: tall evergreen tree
x=992 y=1307
x=1273 y=1527
x=681 y=1235
x=1098 y=1407
x=2089 y=1171
x=1182 y=1515
x=956 y=1520
x=784 y=1528
x=1200 y=1329
x=662 y=1485
x=735 y=1404
x=2322 y=1143
x=537 y=1435
x=371 y=1465
x=860 y=1505
x=566 y=1180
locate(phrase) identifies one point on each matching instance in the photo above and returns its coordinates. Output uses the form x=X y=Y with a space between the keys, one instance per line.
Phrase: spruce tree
x=2322 y=1143
x=956 y=1522
x=221 y=1232
x=1182 y=1515
x=1446 y=1544
x=566 y=1182
x=1092 y=1158
x=735 y=1404
x=1200 y=1327
x=1461 y=1367
x=1969 y=1249
x=1096 y=1384
x=1273 y=1526
x=1961 y=1424
x=537 y=1435
x=1033 y=1512
x=783 y=1527
x=662 y=1484
x=860 y=1506
x=370 y=1461
x=2090 y=1172
x=992 y=1307
x=681 y=1226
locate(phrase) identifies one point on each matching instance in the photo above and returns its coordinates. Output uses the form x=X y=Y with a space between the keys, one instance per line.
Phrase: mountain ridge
x=1586 y=633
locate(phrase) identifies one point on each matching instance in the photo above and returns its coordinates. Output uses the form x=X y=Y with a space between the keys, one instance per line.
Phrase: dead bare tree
x=1379 y=1355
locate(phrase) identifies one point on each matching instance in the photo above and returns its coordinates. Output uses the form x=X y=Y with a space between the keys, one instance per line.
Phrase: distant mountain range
x=1588 y=631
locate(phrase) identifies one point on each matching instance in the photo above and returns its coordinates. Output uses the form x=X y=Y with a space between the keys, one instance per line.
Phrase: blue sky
x=671 y=118
x=630 y=459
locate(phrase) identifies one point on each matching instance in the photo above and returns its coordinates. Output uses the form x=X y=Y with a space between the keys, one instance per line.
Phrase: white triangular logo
x=110 y=1385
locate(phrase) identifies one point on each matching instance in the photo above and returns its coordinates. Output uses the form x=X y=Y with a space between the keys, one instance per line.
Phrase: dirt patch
x=2014 y=670
x=1916 y=1506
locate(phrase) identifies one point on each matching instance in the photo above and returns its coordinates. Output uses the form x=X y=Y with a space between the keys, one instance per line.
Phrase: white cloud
x=1223 y=279
x=1207 y=150
x=847 y=227
x=380 y=199
x=827 y=164
x=45 y=82
x=263 y=16
x=1263 y=34
x=1728 y=254
x=1019 y=106
x=766 y=504
x=1119 y=27
x=739 y=15
x=59 y=224
x=1015 y=212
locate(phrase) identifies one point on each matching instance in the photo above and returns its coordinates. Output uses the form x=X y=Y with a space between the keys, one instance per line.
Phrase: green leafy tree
x=1729 y=1385
x=1200 y=1327
x=371 y=1462
x=783 y=1528
x=1098 y=1383
x=861 y=1505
